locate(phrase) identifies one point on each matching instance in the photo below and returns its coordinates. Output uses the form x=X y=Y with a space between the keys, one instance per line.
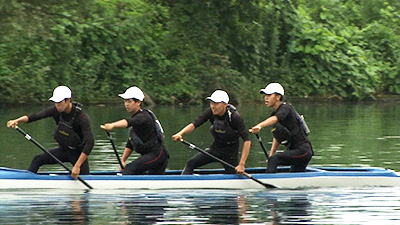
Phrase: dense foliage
x=179 y=51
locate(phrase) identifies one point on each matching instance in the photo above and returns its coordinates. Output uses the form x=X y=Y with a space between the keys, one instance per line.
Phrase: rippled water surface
x=342 y=135
x=319 y=206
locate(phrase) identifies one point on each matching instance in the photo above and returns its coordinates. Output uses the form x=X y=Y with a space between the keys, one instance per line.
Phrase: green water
x=363 y=134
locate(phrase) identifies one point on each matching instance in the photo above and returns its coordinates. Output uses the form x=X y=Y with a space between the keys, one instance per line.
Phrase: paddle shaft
x=192 y=146
x=29 y=138
x=262 y=145
x=115 y=149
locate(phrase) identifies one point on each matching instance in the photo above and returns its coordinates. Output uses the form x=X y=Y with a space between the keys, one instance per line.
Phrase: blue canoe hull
x=314 y=177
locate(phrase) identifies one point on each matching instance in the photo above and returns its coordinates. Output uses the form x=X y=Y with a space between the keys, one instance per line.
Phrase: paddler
x=73 y=132
x=146 y=137
x=226 y=127
x=287 y=130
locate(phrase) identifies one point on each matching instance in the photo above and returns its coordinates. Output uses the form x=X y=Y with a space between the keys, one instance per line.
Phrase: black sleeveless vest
x=146 y=147
x=222 y=131
x=64 y=133
x=288 y=137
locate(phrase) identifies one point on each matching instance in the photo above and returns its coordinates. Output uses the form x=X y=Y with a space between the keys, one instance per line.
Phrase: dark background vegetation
x=179 y=51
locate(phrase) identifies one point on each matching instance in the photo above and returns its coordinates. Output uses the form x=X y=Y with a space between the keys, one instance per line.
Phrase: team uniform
x=289 y=132
x=226 y=131
x=73 y=134
x=145 y=140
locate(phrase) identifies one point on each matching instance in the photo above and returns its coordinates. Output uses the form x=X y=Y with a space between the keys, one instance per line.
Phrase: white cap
x=273 y=88
x=133 y=92
x=219 y=96
x=60 y=93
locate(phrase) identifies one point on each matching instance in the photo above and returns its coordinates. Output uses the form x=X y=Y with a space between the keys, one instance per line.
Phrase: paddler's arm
x=268 y=122
x=47 y=112
x=87 y=133
x=274 y=147
x=77 y=167
x=188 y=129
x=245 y=153
x=125 y=156
x=117 y=124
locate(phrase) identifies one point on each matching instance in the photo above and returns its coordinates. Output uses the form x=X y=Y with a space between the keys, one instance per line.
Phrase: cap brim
x=216 y=101
x=209 y=98
x=124 y=96
x=56 y=100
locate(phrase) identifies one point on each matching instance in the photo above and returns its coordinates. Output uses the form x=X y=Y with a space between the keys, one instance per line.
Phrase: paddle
x=29 y=138
x=262 y=145
x=115 y=149
x=192 y=146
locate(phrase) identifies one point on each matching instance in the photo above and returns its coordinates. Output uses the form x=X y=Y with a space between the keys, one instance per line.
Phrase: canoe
x=314 y=177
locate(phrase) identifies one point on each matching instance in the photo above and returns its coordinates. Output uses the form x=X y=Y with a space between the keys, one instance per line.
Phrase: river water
x=364 y=134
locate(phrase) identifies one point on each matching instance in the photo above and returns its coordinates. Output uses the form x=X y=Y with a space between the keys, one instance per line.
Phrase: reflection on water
x=290 y=210
x=207 y=206
x=43 y=207
x=325 y=206
x=145 y=209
